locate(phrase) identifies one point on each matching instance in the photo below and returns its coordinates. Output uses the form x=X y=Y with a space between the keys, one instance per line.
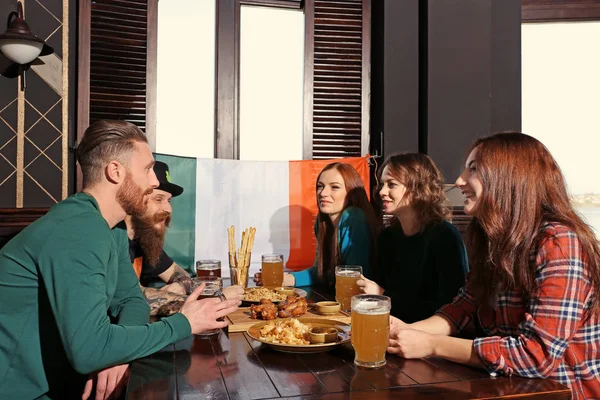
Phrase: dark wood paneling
x=151 y=72
x=473 y=75
x=395 y=76
x=560 y=10
x=459 y=84
x=14 y=220
x=445 y=73
x=117 y=64
x=227 y=80
x=309 y=61
x=505 y=73
x=340 y=86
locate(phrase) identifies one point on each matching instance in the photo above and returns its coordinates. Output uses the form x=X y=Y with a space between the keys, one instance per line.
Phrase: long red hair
x=327 y=239
x=523 y=190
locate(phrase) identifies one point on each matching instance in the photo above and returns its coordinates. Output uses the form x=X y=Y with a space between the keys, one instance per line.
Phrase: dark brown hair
x=103 y=142
x=327 y=240
x=424 y=185
x=523 y=190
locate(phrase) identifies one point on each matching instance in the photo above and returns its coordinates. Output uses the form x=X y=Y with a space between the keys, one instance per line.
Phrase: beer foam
x=371 y=308
x=348 y=274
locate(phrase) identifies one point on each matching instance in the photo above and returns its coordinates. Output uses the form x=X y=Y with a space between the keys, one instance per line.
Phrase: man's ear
x=115 y=172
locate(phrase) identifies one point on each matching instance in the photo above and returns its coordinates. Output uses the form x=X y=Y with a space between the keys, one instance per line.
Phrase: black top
x=422 y=272
x=148 y=272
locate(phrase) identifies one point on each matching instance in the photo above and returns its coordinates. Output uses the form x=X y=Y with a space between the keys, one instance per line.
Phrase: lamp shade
x=21 y=51
x=19 y=44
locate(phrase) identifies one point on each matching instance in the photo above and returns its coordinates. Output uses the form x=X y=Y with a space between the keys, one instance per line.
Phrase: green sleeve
x=128 y=306
x=75 y=279
x=354 y=239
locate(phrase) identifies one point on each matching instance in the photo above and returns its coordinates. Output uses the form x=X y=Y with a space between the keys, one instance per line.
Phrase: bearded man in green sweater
x=72 y=314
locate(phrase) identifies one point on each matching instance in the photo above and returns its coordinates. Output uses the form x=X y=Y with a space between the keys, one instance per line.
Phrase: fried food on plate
x=293 y=306
x=258 y=293
x=288 y=331
x=265 y=310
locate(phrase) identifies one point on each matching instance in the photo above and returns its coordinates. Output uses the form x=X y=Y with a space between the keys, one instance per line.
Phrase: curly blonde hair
x=424 y=185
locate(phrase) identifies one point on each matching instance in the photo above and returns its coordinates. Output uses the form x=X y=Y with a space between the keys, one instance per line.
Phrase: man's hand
x=233 y=292
x=109 y=383
x=367 y=286
x=411 y=343
x=203 y=314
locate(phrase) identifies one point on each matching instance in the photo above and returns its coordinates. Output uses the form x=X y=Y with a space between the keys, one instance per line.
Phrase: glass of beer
x=272 y=269
x=208 y=268
x=345 y=284
x=213 y=287
x=370 y=329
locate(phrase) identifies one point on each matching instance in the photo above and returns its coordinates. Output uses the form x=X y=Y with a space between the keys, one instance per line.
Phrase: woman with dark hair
x=422 y=257
x=531 y=298
x=345 y=228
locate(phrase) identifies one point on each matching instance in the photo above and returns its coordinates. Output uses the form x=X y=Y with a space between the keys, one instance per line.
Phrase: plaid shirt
x=552 y=335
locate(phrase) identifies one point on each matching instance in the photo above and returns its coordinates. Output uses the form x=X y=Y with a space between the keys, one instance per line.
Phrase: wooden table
x=235 y=366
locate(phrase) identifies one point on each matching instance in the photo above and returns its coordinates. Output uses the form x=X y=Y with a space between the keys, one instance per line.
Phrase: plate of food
x=301 y=335
x=274 y=294
x=292 y=306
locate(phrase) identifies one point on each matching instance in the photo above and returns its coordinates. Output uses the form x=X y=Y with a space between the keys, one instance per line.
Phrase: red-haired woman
x=422 y=257
x=532 y=293
x=346 y=227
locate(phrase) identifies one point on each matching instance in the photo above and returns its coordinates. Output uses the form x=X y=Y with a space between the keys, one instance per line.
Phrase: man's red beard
x=150 y=232
x=132 y=198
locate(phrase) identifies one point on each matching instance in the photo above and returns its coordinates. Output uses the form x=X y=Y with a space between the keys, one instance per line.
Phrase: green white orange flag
x=276 y=197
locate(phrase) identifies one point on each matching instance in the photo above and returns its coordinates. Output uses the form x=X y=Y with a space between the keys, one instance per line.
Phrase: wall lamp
x=20 y=45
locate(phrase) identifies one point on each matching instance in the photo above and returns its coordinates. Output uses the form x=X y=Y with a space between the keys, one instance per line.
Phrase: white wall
x=561 y=103
x=271 y=83
x=186 y=78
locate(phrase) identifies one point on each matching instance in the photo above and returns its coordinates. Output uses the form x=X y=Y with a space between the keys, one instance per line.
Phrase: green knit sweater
x=70 y=304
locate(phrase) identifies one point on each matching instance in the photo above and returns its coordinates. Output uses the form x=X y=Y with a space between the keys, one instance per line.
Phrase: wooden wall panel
x=34 y=123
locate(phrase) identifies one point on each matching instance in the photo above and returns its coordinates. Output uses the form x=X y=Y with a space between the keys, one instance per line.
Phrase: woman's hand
x=411 y=343
x=258 y=279
x=367 y=286
x=396 y=323
x=288 y=280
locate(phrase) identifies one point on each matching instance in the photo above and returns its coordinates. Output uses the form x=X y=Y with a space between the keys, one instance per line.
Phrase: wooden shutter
x=118 y=62
x=337 y=75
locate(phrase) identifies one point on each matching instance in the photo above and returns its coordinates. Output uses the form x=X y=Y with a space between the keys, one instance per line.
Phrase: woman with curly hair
x=422 y=258
x=532 y=297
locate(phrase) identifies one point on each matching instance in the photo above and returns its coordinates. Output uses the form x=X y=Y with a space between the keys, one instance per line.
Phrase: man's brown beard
x=150 y=237
x=131 y=197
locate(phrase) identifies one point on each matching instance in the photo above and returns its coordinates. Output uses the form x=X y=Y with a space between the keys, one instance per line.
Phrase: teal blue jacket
x=354 y=244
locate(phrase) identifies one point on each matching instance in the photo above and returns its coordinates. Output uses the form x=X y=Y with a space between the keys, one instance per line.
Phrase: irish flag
x=276 y=197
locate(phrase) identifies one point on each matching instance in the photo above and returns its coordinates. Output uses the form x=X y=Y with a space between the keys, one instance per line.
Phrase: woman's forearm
x=435 y=325
x=457 y=350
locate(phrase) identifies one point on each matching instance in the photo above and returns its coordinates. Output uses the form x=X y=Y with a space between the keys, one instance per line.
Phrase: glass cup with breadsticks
x=239 y=259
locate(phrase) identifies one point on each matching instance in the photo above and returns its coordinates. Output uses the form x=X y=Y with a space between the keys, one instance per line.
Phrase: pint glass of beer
x=272 y=269
x=345 y=284
x=370 y=329
x=208 y=268
x=213 y=287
